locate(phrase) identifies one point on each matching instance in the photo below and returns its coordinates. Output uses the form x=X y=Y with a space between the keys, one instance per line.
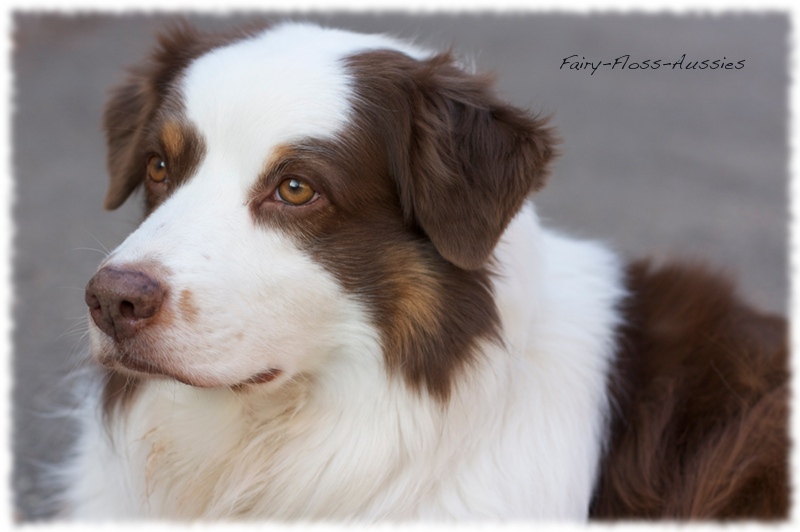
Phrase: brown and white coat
x=341 y=305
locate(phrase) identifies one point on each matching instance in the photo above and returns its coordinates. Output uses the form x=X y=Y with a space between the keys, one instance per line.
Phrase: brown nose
x=121 y=302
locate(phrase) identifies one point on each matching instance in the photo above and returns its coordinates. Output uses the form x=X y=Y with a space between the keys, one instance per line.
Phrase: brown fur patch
x=462 y=160
x=187 y=306
x=417 y=192
x=429 y=312
x=701 y=403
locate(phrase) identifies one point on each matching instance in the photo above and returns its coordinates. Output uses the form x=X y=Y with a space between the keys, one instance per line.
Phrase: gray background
x=668 y=163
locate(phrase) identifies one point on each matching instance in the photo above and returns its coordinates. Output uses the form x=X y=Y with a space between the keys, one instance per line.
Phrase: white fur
x=335 y=436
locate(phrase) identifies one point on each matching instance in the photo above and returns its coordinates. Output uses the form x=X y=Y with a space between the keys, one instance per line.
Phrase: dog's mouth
x=260 y=378
x=136 y=365
x=146 y=368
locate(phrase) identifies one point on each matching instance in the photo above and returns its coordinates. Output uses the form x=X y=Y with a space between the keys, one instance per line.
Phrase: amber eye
x=157 y=169
x=295 y=192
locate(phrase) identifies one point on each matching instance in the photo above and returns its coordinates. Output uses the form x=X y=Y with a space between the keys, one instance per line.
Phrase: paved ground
x=662 y=162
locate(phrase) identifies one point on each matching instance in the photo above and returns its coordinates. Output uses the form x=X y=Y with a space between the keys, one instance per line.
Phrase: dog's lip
x=260 y=378
x=140 y=366
x=144 y=367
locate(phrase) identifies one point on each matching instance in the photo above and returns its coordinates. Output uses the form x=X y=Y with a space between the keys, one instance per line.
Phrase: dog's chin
x=143 y=369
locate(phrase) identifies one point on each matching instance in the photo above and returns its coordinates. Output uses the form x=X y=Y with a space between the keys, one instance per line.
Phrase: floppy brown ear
x=472 y=161
x=133 y=105
x=124 y=119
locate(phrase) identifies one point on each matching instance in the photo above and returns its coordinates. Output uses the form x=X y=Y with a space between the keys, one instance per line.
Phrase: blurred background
x=667 y=163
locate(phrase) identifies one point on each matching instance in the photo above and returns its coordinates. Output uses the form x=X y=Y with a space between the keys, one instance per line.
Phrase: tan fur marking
x=415 y=287
x=278 y=158
x=172 y=137
x=279 y=154
x=157 y=449
x=187 y=306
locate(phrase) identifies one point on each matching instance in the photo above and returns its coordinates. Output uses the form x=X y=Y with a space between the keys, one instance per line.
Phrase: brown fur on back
x=700 y=404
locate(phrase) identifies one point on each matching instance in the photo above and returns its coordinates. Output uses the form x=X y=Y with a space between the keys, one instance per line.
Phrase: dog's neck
x=357 y=428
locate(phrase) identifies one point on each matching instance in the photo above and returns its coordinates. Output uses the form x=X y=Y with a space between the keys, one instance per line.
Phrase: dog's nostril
x=92 y=301
x=127 y=310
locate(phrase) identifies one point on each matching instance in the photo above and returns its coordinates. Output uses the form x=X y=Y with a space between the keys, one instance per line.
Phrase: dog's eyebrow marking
x=280 y=156
x=178 y=141
x=173 y=138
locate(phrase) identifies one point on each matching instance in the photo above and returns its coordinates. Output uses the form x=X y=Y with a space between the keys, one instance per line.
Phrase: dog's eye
x=295 y=192
x=157 y=169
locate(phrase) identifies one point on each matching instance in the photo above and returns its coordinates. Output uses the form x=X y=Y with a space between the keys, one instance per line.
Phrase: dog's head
x=309 y=192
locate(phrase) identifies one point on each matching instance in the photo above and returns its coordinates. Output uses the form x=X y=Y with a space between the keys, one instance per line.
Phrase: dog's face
x=308 y=192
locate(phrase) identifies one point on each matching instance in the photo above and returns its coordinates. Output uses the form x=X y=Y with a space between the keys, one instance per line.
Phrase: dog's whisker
x=103 y=252
x=104 y=249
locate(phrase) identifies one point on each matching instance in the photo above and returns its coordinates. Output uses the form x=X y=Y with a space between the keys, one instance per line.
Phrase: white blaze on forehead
x=284 y=84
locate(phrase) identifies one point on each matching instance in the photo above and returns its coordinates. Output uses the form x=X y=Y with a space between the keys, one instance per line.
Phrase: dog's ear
x=126 y=115
x=133 y=105
x=471 y=163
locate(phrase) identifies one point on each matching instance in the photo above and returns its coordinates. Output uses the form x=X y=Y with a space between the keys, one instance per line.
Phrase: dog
x=341 y=305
